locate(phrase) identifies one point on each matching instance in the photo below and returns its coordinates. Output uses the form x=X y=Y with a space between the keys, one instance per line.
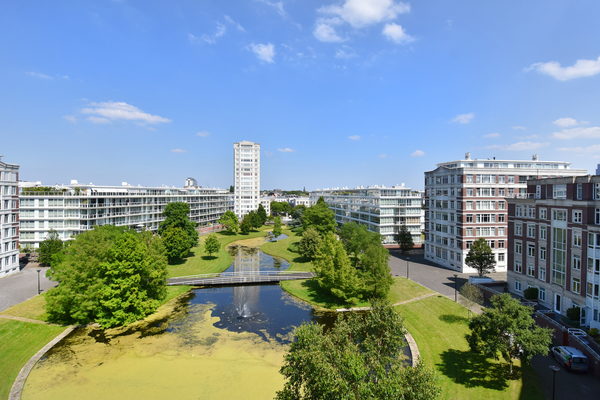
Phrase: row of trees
x=252 y=220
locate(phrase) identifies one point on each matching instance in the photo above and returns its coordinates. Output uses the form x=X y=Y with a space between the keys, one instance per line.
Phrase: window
x=511 y=179
x=501 y=217
x=502 y=231
x=543 y=253
x=559 y=215
x=530 y=269
x=577 y=216
x=500 y=244
x=530 y=230
x=518 y=267
x=469 y=205
x=469 y=232
x=519 y=211
x=576 y=261
x=543 y=231
x=575 y=285
x=542 y=273
x=469 y=178
x=579 y=191
x=597 y=217
x=576 y=239
x=543 y=213
x=501 y=192
x=559 y=253
x=518 y=286
x=500 y=257
x=501 y=179
x=469 y=218
x=518 y=229
x=596 y=191
x=518 y=248
x=531 y=249
x=469 y=193
x=542 y=294
x=559 y=191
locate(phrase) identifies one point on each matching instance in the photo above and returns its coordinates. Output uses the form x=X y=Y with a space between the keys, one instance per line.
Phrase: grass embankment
x=199 y=263
x=19 y=341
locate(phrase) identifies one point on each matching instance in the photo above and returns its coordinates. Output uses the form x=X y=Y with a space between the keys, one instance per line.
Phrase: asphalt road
x=17 y=288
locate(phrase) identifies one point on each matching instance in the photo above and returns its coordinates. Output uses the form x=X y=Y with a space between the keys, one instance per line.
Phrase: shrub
x=594 y=332
x=574 y=313
x=531 y=293
x=293 y=248
x=299 y=229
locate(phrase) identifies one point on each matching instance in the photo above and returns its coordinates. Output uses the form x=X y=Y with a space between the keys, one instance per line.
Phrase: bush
x=594 y=332
x=531 y=293
x=574 y=313
x=293 y=248
x=299 y=229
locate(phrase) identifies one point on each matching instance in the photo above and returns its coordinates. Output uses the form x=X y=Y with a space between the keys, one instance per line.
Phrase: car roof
x=572 y=350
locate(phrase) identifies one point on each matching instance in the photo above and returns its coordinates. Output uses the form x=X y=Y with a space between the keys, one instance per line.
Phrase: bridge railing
x=241 y=274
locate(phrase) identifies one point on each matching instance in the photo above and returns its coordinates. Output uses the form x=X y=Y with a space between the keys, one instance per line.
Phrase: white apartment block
x=76 y=208
x=9 y=218
x=381 y=209
x=299 y=200
x=465 y=200
x=246 y=177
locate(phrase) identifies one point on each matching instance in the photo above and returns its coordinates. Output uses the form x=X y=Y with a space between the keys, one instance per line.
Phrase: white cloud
x=383 y=155
x=71 y=118
x=491 y=135
x=360 y=13
x=264 y=52
x=463 y=118
x=565 y=122
x=587 y=133
x=585 y=150
x=342 y=54
x=178 y=151
x=38 y=75
x=99 y=120
x=418 y=153
x=354 y=137
x=287 y=150
x=518 y=146
x=231 y=21
x=276 y=5
x=528 y=137
x=221 y=29
x=112 y=111
x=519 y=127
x=325 y=33
x=580 y=69
x=203 y=134
x=268 y=153
x=397 y=34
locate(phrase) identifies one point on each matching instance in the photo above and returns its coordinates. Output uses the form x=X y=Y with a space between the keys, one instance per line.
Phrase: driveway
x=23 y=285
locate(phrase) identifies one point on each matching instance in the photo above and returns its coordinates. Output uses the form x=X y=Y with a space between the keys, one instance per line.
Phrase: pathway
x=17 y=288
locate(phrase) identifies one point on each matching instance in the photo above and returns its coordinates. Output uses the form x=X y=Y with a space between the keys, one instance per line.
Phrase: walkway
x=237 y=278
x=17 y=288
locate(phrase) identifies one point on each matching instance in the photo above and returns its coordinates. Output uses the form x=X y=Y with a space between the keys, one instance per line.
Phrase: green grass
x=280 y=249
x=19 y=341
x=199 y=263
x=439 y=326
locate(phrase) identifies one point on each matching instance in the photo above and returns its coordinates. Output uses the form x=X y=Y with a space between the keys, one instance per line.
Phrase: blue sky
x=338 y=93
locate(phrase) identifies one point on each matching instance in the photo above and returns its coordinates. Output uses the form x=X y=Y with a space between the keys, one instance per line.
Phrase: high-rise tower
x=246 y=177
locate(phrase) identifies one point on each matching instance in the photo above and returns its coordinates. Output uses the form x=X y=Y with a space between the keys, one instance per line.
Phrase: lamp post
x=38 y=271
x=554 y=369
x=407 y=267
x=455 y=290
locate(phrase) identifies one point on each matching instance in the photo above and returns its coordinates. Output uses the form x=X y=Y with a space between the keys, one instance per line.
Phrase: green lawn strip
x=19 y=341
x=280 y=249
x=404 y=289
x=199 y=263
x=439 y=326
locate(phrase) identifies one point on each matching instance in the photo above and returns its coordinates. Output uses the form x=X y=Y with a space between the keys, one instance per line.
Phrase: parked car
x=571 y=358
x=578 y=333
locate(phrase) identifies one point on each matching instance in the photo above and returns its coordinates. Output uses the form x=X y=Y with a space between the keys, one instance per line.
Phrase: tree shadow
x=301 y=259
x=208 y=258
x=318 y=295
x=227 y=233
x=453 y=319
x=473 y=370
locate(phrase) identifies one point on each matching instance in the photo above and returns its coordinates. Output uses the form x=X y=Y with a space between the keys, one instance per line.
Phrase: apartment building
x=465 y=200
x=76 y=208
x=381 y=209
x=246 y=177
x=9 y=218
x=554 y=244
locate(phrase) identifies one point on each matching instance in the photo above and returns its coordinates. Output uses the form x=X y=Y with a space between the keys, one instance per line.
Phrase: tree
x=309 y=244
x=176 y=215
x=357 y=238
x=508 y=330
x=262 y=213
x=405 y=239
x=277 y=227
x=481 y=257
x=319 y=217
x=298 y=211
x=230 y=220
x=231 y=189
x=212 y=244
x=50 y=247
x=359 y=358
x=321 y=201
x=176 y=243
x=278 y=207
x=246 y=225
x=255 y=219
x=110 y=275
x=470 y=295
x=376 y=274
x=335 y=273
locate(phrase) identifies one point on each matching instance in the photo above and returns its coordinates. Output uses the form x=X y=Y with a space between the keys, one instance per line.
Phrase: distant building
x=76 y=208
x=380 y=209
x=554 y=244
x=246 y=177
x=9 y=218
x=190 y=182
x=299 y=200
x=465 y=200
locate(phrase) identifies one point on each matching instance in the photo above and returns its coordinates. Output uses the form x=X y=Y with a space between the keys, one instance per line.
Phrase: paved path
x=394 y=305
x=32 y=321
x=17 y=288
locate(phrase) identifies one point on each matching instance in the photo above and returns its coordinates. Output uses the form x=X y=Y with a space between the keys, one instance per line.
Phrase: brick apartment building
x=554 y=244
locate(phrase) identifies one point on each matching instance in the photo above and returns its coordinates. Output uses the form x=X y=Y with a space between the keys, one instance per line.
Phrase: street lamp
x=554 y=369
x=407 y=267
x=455 y=291
x=38 y=271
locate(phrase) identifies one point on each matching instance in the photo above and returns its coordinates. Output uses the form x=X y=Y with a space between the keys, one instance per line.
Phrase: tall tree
x=212 y=244
x=246 y=225
x=230 y=220
x=176 y=215
x=375 y=271
x=405 y=239
x=277 y=227
x=508 y=330
x=176 y=243
x=262 y=213
x=110 y=275
x=321 y=201
x=255 y=219
x=309 y=244
x=359 y=358
x=481 y=257
x=357 y=239
x=335 y=273
x=319 y=217
x=49 y=248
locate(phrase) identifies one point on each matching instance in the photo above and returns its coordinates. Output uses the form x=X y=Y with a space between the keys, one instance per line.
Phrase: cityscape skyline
x=342 y=93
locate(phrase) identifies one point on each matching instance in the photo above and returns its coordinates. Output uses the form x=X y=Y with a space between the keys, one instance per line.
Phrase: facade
x=299 y=200
x=246 y=177
x=75 y=208
x=554 y=244
x=465 y=200
x=381 y=209
x=9 y=218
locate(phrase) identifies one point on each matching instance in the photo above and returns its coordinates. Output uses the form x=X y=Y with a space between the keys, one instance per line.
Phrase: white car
x=578 y=333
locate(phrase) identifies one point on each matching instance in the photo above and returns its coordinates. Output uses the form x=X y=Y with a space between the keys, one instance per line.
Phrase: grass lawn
x=439 y=326
x=19 y=341
x=198 y=263
x=280 y=249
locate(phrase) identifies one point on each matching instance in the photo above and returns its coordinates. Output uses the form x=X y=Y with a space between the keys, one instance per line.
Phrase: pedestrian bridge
x=239 y=278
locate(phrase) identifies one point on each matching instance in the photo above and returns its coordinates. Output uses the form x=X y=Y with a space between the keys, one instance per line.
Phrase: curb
x=414 y=349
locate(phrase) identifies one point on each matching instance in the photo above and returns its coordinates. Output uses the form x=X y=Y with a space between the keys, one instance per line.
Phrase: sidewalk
x=23 y=285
